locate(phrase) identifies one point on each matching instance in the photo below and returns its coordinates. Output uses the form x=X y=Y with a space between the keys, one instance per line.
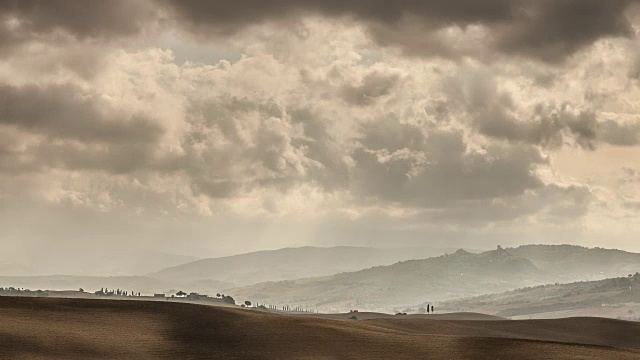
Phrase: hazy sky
x=216 y=127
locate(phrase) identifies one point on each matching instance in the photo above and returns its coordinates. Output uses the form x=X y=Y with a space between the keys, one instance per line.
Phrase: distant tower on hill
x=499 y=247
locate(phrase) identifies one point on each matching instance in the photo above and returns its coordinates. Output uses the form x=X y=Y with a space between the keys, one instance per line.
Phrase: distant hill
x=211 y=276
x=615 y=298
x=290 y=263
x=439 y=278
x=573 y=263
x=461 y=274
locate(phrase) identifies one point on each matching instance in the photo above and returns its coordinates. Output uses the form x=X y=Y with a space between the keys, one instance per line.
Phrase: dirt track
x=99 y=329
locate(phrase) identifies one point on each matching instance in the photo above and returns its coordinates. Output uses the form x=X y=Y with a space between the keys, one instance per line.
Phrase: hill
x=462 y=274
x=615 y=298
x=102 y=329
x=289 y=264
x=569 y=263
x=382 y=287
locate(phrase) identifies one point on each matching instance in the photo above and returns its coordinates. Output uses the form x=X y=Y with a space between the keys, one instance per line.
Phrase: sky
x=208 y=128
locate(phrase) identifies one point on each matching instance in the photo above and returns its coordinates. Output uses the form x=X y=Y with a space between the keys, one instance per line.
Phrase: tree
x=81 y=290
x=181 y=293
x=428 y=306
x=229 y=300
x=247 y=303
x=432 y=311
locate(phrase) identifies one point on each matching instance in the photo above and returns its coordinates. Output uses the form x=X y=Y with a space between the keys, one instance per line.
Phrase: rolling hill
x=211 y=276
x=289 y=264
x=615 y=298
x=379 y=288
x=458 y=275
x=101 y=329
x=570 y=263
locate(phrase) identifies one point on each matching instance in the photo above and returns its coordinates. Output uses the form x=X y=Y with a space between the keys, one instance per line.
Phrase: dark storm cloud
x=552 y=29
x=65 y=111
x=548 y=30
x=26 y=19
x=75 y=130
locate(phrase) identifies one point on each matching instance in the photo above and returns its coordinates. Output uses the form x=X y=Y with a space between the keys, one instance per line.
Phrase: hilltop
x=102 y=329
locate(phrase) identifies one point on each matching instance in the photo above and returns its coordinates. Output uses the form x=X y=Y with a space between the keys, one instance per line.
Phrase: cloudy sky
x=215 y=127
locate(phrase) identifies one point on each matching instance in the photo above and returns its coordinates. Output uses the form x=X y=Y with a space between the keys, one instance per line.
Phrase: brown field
x=47 y=328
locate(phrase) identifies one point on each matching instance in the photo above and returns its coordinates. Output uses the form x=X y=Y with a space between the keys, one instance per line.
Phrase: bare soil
x=51 y=328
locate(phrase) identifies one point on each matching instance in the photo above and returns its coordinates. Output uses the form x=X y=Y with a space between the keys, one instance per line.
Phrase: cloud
x=66 y=111
x=373 y=87
x=405 y=164
x=547 y=30
x=495 y=113
x=322 y=134
x=64 y=126
x=551 y=30
x=25 y=20
x=549 y=125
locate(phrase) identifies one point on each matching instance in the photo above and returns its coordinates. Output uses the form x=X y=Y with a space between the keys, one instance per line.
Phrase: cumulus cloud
x=495 y=114
x=324 y=133
x=434 y=168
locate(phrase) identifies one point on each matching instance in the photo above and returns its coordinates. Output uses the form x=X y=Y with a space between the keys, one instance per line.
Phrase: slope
x=414 y=281
x=616 y=297
x=448 y=277
x=290 y=263
x=569 y=263
x=102 y=329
